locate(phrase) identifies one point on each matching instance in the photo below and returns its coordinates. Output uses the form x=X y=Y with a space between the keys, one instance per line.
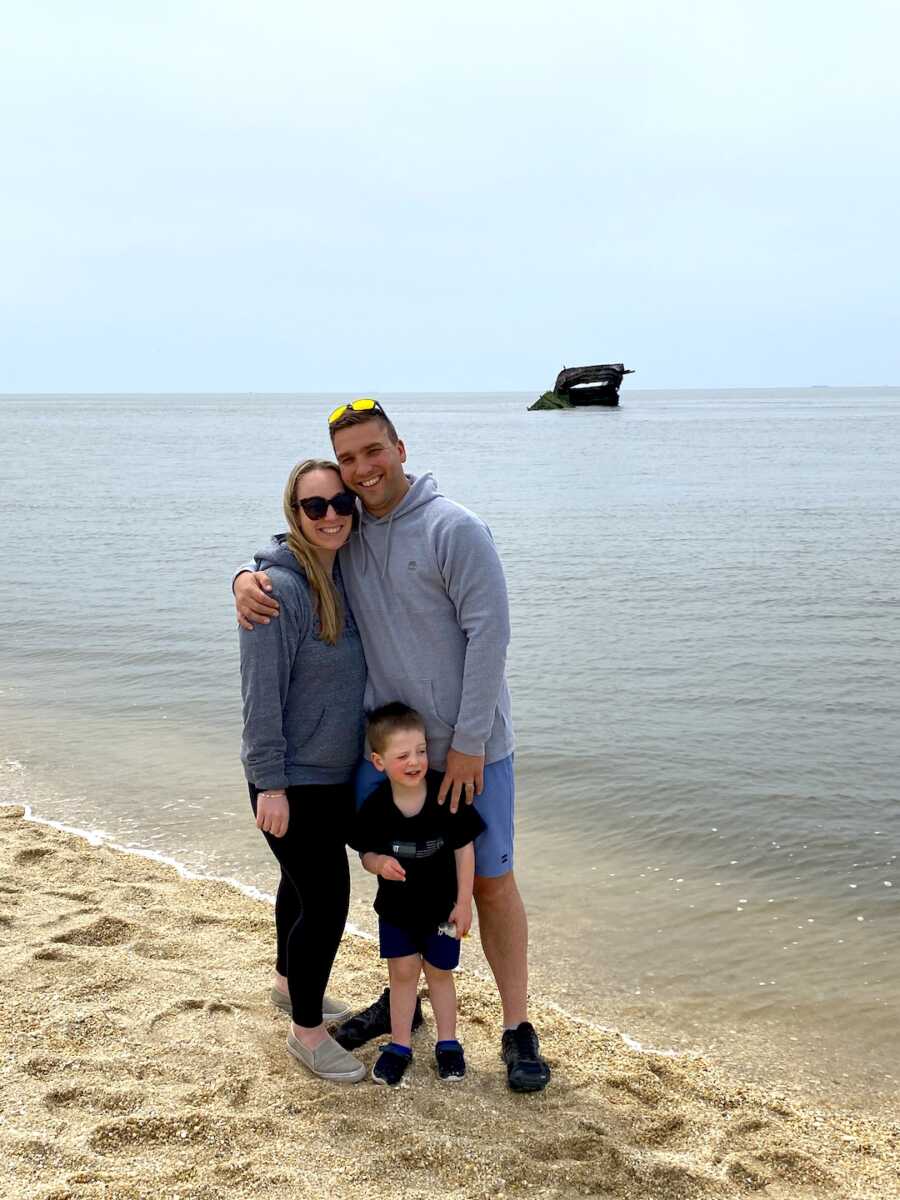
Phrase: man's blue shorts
x=439 y=949
x=496 y=806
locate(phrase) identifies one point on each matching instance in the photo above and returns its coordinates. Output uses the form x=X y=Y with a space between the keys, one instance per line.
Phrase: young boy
x=424 y=858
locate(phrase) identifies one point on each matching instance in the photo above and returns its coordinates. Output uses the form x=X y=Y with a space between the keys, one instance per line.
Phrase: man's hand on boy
x=461 y=917
x=463 y=777
x=389 y=868
x=254 y=606
x=272 y=813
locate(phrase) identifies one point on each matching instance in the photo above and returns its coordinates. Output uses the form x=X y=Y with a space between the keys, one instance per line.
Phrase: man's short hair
x=382 y=723
x=349 y=418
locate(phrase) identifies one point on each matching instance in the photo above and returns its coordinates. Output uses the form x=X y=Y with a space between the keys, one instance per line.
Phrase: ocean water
x=705 y=668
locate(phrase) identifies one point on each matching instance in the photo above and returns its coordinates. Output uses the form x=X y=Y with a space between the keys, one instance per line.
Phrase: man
x=428 y=593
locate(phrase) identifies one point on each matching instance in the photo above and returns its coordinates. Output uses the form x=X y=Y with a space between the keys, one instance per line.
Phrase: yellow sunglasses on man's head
x=364 y=405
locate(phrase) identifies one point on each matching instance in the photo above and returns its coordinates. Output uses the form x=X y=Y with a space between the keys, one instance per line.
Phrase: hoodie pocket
x=330 y=741
x=436 y=717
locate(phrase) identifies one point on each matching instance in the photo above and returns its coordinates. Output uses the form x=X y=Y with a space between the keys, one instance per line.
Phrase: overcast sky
x=286 y=196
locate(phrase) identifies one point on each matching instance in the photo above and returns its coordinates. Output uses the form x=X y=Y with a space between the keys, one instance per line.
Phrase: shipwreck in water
x=583 y=387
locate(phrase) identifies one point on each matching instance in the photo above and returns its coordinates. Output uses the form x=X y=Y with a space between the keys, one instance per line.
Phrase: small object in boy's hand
x=449 y=928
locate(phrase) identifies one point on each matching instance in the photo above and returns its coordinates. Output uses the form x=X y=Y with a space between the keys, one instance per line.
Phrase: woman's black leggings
x=314 y=892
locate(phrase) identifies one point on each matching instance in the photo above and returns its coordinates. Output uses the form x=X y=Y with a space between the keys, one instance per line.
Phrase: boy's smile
x=404 y=759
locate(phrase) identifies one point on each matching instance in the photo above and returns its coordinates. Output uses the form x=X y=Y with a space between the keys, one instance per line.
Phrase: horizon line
x=767 y=387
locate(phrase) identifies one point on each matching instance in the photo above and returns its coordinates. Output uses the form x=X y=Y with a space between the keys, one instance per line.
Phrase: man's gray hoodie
x=303 y=699
x=429 y=596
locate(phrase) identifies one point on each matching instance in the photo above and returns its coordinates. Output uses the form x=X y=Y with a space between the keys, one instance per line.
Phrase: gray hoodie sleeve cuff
x=270 y=780
x=247 y=566
x=467 y=745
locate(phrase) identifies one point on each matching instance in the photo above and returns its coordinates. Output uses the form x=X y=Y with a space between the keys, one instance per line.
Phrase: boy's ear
x=377 y=762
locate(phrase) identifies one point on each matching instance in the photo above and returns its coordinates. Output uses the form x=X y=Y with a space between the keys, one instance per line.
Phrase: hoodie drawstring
x=422 y=490
x=387 y=546
x=365 y=547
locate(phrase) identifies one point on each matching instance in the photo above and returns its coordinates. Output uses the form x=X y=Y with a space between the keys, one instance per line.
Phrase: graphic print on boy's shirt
x=424 y=846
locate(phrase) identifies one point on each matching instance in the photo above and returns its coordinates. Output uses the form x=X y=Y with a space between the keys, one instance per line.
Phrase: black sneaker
x=526 y=1071
x=372 y=1022
x=391 y=1065
x=451 y=1062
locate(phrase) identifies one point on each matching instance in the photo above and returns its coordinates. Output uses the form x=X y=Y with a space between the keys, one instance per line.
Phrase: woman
x=302 y=681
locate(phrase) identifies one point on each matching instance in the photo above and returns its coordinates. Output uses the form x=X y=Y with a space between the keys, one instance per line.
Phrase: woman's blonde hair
x=328 y=604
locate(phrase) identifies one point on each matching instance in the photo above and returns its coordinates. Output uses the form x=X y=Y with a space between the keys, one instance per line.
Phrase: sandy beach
x=141 y=1058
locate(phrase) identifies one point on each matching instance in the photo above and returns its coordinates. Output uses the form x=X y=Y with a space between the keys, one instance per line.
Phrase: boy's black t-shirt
x=424 y=846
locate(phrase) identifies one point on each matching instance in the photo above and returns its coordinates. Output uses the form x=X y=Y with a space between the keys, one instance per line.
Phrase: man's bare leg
x=504 y=937
x=503 y=926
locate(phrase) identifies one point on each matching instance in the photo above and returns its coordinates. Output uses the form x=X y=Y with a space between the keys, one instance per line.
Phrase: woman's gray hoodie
x=303 y=699
x=429 y=596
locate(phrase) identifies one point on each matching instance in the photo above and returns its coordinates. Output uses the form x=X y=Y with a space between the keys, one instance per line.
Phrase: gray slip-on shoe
x=328 y=1061
x=332 y=1010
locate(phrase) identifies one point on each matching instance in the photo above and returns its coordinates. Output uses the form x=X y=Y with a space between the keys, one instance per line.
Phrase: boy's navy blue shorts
x=436 y=948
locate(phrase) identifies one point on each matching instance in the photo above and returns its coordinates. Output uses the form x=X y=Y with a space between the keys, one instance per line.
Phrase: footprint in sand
x=235 y=1092
x=105 y=931
x=138 y=892
x=66 y=917
x=101 y=989
x=349 y=1127
x=134 y=1132
x=750 y=1125
x=42 y=1150
x=188 y=1130
x=79 y=895
x=32 y=855
x=190 y=1019
x=10 y=898
x=52 y=954
x=632 y=1087
x=759 y=1166
x=41 y=1065
x=794 y=1166
x=673 y=1181
x=156 y=951
x=49 y=1067
x=204 y=919
x=584 y=1146
x=93 y=1029
x=666 y=1132
x=93 y=1100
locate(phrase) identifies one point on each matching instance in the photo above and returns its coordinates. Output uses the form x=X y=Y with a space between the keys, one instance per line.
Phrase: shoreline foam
x=96 y=837
x=142 y=1059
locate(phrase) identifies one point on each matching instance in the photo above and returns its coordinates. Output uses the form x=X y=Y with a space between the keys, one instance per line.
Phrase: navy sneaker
x=451 y=1062
x=372 y=1022
x=391 y=1064
x=526 y=1071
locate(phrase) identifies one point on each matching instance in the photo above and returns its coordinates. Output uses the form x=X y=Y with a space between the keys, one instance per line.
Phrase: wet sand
x=142 y=1059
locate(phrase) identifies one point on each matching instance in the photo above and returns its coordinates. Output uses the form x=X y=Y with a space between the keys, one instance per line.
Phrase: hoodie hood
x=278 y=554
x=422 y=490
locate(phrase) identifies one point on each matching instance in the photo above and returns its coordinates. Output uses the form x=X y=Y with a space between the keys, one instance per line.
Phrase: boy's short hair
x=382 y=723
x=359 y=418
